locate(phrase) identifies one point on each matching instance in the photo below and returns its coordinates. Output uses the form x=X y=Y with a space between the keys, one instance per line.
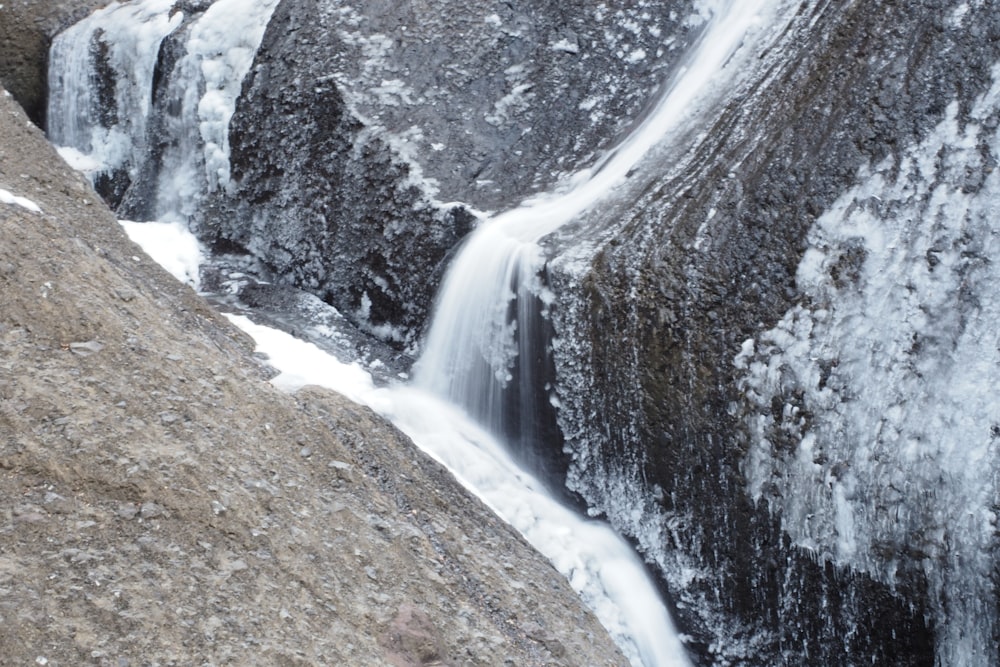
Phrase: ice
x=129 y=36
x=7 y=197
x=171 y=245
x=893 y=354
x=566 y=46
x=79 y=161
x=219 y=47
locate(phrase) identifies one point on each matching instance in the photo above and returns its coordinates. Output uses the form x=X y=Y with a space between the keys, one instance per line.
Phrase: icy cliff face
x=804 y=350
x=873 y=408
x=336 y=162
x=402 y=113
x=141 y=96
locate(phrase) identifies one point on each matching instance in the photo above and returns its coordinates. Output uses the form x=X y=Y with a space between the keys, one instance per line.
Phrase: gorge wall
x=785 y=314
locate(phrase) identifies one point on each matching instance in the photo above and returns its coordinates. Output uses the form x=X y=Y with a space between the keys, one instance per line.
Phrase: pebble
x=151 y=511
x=87 y=348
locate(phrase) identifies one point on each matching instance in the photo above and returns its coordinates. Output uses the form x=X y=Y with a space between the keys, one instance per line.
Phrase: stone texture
x=854 y=83
x=130 y=538
x=357 y=123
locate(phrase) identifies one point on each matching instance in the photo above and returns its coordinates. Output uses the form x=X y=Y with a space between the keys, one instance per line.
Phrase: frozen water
x=884 y=453
x=126 y=39
x=7 y=197
x=171 y=245
x=219 y=49
x=116 y=49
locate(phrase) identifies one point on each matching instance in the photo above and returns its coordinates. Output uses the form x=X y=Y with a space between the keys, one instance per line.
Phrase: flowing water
x=484 y=324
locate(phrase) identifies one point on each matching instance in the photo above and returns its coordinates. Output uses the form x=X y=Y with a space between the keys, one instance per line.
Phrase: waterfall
x=486 y=350
x=101 y=118
x=482 y=351
x=108 y=72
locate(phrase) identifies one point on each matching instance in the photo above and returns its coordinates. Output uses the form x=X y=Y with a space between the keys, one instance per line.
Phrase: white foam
x=171 y=245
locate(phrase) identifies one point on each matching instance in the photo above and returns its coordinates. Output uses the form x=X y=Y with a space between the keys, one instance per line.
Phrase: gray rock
x=85 y=349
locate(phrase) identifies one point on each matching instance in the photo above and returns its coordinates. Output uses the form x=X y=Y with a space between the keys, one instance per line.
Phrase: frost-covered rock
x=792 y=417
x=358 y=126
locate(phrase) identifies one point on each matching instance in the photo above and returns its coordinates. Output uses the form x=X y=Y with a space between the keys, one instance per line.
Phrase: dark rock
x=354 y=125
x=867 y=79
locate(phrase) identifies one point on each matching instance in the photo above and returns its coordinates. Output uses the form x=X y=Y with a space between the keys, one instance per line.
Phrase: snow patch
x=566 y=46
x=79 y=161
x=171 y=245
x=7 y=197
x=636 y=56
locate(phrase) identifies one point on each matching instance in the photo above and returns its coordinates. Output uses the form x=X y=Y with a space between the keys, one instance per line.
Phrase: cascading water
x=101 y=119
x=104 y=84
x=486 y=326
x=482 y=352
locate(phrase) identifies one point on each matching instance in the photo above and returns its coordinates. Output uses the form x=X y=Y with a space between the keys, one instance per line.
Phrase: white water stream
x=473 y=342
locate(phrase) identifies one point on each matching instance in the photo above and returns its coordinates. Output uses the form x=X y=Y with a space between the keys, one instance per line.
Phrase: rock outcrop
x=359 y=127
x=813 y=539
x=162 y=503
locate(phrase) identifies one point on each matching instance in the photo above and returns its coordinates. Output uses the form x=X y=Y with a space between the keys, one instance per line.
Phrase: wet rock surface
x=706 y=262
x=162 y=503
x=358 y=126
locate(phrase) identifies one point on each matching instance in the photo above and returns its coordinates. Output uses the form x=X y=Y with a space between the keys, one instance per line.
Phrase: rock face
x=357 y=126
x=322 y=201
x=776 y=358
x=781 y=385
x=162 y=503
